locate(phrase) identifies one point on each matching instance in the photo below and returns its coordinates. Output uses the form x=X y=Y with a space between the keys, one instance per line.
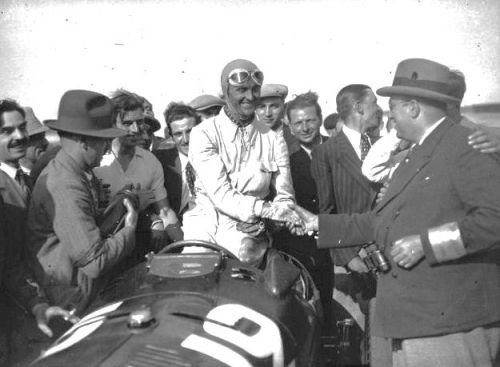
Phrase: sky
x=175 y=50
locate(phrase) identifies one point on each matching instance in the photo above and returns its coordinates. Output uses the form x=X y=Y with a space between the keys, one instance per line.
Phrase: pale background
x=175 y=50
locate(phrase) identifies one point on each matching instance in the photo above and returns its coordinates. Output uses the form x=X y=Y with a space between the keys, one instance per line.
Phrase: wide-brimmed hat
x=33 y=124
x=86 y=113
x=421 y=78
x=274 y=90
x=205 y=101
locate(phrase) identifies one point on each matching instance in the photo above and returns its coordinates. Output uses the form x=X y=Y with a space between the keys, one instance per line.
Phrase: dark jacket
x=341 y=186
x=448 y=194
x=172 y=171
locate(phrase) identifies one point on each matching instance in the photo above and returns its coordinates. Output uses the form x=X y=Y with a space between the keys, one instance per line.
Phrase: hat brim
x=109 y=133
x=39 y=130
x=416 y=92
x=206 y=107
x=154 y=123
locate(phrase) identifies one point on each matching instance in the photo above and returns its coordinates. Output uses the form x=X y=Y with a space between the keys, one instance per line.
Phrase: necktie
x=190 y=177
x=365 y=146
x=22 y=180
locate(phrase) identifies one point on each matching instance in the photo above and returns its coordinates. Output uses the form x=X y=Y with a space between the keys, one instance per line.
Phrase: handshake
x=298 y=220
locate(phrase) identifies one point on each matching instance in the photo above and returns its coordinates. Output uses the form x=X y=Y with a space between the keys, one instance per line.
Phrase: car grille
x=157 y=356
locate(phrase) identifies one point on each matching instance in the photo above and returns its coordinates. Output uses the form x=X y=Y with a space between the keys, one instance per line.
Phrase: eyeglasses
x=240 y=76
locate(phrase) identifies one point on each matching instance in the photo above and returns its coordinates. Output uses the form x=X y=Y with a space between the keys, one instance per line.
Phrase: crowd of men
x=251 y=171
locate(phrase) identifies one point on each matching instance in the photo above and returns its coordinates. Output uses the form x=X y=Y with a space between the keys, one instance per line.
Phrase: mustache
x=18 y=143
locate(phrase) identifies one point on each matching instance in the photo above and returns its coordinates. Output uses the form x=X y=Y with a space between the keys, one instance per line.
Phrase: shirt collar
x=231 y=129
x=430 y=129
x=9 y=170
x=353 y=135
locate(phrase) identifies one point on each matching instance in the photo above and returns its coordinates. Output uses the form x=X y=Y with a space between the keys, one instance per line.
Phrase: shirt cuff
x=257 y=207
x=443 y=243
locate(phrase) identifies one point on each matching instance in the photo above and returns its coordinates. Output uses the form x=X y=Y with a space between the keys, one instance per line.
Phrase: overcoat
x=448 y=194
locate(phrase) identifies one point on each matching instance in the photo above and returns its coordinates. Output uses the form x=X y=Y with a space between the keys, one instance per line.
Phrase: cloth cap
x=33 y=124
x=86 y=113
x=205 y=101
x=421 y=78
x=274 y=90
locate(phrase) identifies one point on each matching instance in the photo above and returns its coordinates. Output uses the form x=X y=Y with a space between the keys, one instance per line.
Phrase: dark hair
x=348 y=96
x=309 y=99
x=125 y=101
x=177 y=111
x=330 y=122
x=9 y=105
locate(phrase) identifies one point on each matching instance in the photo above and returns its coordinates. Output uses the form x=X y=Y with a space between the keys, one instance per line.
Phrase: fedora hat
x=33 y=124
x=421 y=78
x=86 y=113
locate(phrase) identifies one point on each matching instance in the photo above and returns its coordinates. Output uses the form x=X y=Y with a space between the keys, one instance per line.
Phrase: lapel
x=411 y=166
x=10 y=191
x=174 y=180
x=348 y=158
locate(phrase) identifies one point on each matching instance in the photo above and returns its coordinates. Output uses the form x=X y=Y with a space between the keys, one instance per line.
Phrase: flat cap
x=205 y=101
x=274 y=90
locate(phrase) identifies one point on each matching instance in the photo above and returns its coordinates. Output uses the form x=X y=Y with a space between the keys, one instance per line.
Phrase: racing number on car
x=266 y=342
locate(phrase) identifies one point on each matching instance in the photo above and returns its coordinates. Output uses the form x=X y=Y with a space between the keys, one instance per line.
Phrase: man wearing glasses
x=238 y=164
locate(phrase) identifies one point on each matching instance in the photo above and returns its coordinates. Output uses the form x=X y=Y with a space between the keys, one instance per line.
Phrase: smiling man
x=180 y=119
x=130 y=165
x=438 y=304
x=238 y=163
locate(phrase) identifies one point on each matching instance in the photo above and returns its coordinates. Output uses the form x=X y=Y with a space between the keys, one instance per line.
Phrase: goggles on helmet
x=241 y=76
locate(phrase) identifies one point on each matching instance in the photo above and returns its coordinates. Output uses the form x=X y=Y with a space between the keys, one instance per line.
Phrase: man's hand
x=484 y=141
x=381 y=193
x=43 y=313
x=357 y=265
x=407 y=251
x=309 y=221
x=252 y=228
x=131 y=216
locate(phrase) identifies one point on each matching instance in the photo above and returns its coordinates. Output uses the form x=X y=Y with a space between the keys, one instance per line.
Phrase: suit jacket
x=71 y=254
x=172 y=171
x=13 y=268
x=341 y=186
x=447 y=193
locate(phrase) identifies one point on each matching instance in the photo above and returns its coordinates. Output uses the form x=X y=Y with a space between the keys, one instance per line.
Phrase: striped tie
x=22 y=180
x=364 y=145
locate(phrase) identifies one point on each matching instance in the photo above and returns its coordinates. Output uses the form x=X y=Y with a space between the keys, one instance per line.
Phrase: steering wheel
x=197 y=243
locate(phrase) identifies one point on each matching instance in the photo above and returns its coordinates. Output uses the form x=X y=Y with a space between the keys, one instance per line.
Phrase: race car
x=198 y=309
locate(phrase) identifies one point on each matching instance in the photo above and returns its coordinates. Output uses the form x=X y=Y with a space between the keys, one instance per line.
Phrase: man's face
x=243 y=98
x=371 y=111
x=133 y=123
x=181 y=129
x=403 y=123
x=36 y=147
x=96 y=148
x=270 y=111
x=13 y=137
x=305 y=124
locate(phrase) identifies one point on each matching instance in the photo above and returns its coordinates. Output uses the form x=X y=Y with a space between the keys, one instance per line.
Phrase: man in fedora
x=439 y=303
x=388 y=152
x=207 y=105
x=238 y=162
x=73 y=257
